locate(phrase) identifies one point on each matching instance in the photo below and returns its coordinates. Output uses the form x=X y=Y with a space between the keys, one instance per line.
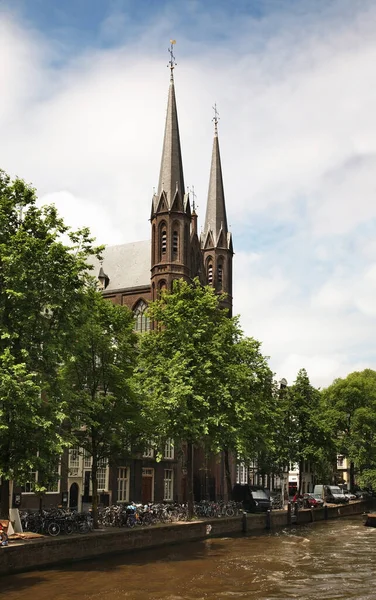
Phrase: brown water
x=327 y=561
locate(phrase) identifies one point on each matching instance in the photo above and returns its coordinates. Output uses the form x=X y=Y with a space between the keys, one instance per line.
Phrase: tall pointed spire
x=171 y=179
x=216 y=219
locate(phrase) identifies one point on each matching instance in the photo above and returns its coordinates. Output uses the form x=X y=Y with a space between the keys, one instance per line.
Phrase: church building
x=133 y=274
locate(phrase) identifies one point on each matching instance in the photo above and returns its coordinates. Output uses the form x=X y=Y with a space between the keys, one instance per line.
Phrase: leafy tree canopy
x=42 y=284
x=351 y=408
x=105 y=411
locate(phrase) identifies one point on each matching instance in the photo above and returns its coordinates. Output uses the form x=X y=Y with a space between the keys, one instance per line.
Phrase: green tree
x=308 y=433
x=181 y=367
x=351 y=410
x=42 y=284
x=247 y=408
x=98 y=378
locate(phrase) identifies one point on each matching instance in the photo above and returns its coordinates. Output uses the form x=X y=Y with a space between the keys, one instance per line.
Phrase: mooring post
x=268 y=519
x=244 y=522
x=289 y=520
x=296 y=511
x=312 y=516
x=326 y=512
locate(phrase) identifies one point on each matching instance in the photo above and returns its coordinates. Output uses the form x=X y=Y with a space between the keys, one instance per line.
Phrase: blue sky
x=84 y=90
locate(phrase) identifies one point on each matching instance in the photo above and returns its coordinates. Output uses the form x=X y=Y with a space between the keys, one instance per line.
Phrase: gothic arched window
x=153 y=245
x=175 y=245
x=220 y=275
x=142 y=322
x=210 y=273
x=163 y=241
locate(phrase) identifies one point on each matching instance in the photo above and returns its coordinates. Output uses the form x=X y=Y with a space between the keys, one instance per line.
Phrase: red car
x=312 y=501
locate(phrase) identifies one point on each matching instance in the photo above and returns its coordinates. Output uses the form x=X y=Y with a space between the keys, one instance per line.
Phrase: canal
x=329 y=560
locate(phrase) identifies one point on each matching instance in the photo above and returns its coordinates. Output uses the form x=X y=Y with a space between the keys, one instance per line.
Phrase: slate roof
x=216 y=219
x=171 y=177
x=126 y=265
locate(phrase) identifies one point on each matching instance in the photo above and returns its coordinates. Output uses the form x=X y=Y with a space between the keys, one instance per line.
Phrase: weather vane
x=172 y=63
x=215 y=118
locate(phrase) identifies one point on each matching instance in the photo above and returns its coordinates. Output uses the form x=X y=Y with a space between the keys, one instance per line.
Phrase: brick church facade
x=132 y=275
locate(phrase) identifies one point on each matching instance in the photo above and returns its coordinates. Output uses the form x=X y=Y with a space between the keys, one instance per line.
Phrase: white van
x=331 y=494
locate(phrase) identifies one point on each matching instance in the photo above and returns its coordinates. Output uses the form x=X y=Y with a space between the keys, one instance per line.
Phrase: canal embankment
x=44 y=552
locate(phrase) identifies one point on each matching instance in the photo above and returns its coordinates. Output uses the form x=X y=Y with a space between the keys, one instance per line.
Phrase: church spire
x=216 y=219
x=171 y=179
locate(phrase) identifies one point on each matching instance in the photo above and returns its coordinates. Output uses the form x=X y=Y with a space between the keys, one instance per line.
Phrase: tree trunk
x=352 y=476
x=94 y=483
x=301 y=467
x=190 y=479
x=4 y=508
x=228 y=474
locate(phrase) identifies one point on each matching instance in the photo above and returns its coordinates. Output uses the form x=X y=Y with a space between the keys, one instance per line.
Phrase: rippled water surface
x=327 y=561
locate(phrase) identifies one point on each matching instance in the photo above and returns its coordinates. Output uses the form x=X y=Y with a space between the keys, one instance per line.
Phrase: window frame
x=123 y=490
x=168 y=485
x=169 y=450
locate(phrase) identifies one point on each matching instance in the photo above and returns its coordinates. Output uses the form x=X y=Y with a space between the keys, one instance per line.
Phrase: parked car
x=350 y=496
x=334 y=495
x=312 y=501
x=365 y=494
x=253 y=497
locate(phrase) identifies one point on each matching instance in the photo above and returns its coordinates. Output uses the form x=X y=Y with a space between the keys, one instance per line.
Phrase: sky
x=83 y=98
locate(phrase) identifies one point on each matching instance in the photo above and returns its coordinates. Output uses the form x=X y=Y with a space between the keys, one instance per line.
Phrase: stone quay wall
x=35 y=554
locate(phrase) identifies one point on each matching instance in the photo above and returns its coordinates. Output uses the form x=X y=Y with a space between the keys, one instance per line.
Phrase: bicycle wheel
x=230 y=512
x=83 y=527
x=131 y=522
x=68 y=527
x=147 y=519
x=53 y=528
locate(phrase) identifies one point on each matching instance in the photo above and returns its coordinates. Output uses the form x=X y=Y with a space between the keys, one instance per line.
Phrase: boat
x=370 y=519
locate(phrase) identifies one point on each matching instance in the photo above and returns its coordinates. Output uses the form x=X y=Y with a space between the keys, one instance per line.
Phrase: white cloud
x=297 y=144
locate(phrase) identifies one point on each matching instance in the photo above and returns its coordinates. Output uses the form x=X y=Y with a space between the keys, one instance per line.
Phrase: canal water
x=328 y=561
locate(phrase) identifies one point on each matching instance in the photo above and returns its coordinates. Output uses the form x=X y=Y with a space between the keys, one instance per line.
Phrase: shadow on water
x=191 y=550
x=27 y=581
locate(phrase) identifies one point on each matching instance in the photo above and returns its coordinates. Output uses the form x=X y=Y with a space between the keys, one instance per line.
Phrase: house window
x=34 y=477
x=241 y=473
x=148 y=452
x=87 y=460
x=168 y=484
x=164 y=241
x=54 y=488
x=142 y=322
x=29 y=485
x=175 y=244
x=169 y=449
x=340 y=461
x=101 y=478
x=74 y=457
x=210 y=274
x=102 y=474
x=123 y=480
